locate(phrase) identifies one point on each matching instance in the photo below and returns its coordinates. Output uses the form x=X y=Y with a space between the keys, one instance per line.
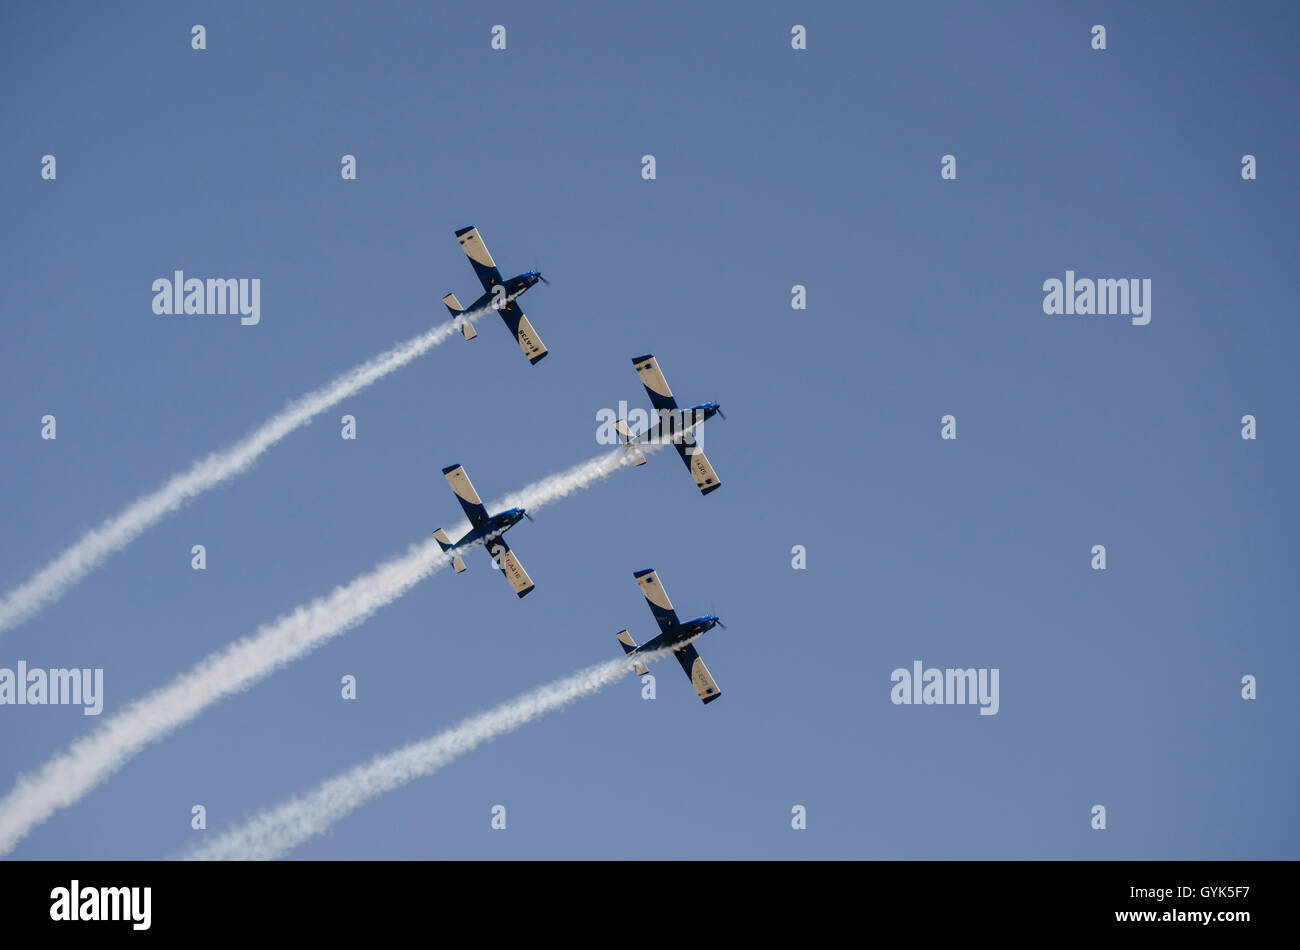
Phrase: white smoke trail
x=90 y=760
x=48 y=584
x=273 y=832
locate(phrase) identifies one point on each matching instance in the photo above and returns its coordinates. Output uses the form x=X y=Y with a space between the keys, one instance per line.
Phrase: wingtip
x=639 y=359
x=648 y=570
x=451 y=468
x=465 y=230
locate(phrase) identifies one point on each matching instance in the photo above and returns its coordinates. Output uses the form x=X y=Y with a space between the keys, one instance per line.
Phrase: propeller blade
x=543 y=280
x=722 y=625
x=720 y=412
x=528 y=516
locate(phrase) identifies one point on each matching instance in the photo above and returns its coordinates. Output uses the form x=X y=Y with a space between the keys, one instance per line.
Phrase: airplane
x=490 y=278
x=673 y=631
x=489 y=528
x=674 y=425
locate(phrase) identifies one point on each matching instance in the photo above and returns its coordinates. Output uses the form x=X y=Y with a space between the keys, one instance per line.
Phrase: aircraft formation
x=676 y=426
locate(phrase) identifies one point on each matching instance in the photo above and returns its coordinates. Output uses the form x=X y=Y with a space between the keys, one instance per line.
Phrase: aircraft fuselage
x=676 y=425
x=679 y=634
x=514 y=287
x=496 y=525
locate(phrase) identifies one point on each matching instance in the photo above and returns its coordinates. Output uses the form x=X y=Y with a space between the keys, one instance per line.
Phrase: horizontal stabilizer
x=629 y=647
x=453 y=305
x=445 y=543
x=622 y=429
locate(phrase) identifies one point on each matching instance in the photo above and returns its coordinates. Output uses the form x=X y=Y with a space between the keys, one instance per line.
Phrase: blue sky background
x=775 y=167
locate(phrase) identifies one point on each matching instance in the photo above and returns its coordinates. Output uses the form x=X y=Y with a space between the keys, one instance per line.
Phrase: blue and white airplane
x=488 y=528
x=495 y=292
x=673 y=631
x=675 y=425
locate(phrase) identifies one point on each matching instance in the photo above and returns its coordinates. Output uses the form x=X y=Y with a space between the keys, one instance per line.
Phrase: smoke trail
x=48 y=584
x=90 y=760
x=271 y=833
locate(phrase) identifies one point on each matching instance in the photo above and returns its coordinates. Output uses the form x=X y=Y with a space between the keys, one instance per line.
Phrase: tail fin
x=440 y=536
x=629 y=647
x=453 y=305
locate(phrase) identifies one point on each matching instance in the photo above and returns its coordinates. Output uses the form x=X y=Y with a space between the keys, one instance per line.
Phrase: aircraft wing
x=510 y=566
x=523 y=332
x=657 y=598
x=466 y=495
x=706 y=479
x=479 y=258
x=652 y=378
x=698 y=673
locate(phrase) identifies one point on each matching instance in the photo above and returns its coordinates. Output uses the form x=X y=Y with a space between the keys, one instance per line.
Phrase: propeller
x=540 y=277
x=720 y=413
x=722 y=625
x=528 y=516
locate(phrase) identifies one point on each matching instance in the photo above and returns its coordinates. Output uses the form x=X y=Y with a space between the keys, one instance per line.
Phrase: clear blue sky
x=775 y=168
